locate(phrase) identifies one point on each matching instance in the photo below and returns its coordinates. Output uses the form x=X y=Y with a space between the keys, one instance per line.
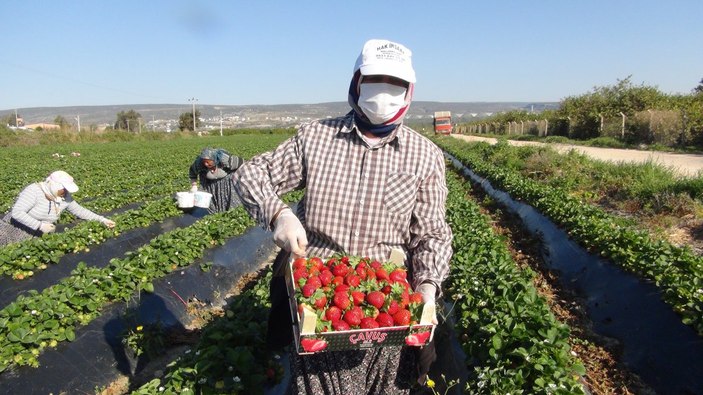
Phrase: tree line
x=629 y=113
x=129 y=121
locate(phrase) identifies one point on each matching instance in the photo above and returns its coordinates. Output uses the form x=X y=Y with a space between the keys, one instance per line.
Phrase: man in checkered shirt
x=371 y=185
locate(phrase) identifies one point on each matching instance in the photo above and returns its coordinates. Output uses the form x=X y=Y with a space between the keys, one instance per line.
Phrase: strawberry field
x=176 y=302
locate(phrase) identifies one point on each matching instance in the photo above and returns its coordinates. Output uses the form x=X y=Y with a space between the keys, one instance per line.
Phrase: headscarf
x=213 y=154
x=58 y=180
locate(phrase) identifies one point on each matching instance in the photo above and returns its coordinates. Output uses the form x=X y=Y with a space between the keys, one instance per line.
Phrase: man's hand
x=428 y=292
x=289 y=234
x=46 y=227
x=194 y=188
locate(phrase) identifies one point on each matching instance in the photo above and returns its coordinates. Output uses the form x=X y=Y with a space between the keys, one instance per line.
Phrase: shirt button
x=356 y=233
x=361 y=201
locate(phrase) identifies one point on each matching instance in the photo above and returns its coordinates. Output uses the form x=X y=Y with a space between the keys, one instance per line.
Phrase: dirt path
x=682 y=164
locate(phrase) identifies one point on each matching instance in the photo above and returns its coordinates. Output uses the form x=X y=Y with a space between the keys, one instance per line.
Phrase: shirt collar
x=395 y=138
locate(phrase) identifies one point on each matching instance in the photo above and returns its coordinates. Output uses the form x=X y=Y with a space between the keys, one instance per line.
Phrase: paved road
x=682 y=164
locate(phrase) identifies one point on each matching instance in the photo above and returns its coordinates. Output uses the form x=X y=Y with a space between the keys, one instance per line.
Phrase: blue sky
x=66 y=53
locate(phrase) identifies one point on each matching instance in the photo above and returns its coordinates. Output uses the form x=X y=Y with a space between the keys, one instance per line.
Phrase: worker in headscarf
x=213 y=168
x=39 y=206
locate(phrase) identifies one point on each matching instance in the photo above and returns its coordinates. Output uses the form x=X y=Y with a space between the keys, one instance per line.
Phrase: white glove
x=194 y=188
x=428 y=291
x=109 y=223
x=289 y=234
x=46 y=227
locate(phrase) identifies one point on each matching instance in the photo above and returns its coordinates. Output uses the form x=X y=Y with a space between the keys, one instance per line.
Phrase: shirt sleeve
x=26 y=200
x=431 y=236
x=230 y=162
x=82 y=212
x=194 y=170
x=260 y=181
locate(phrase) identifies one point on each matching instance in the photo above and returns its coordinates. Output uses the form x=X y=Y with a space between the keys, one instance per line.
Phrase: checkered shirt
x=359 y=200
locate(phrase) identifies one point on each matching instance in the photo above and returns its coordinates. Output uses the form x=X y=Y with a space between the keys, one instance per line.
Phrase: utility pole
x=78 y=118
x=193 y=100
x=16 y=124
x=220 y=122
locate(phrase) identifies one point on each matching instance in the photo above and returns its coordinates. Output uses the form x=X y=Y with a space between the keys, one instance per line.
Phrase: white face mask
x=381 y=101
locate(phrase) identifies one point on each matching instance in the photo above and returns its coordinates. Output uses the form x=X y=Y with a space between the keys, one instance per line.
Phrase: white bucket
x=185 y=199
x=202 y=199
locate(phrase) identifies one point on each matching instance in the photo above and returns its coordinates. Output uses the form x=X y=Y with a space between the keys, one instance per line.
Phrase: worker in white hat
x=39 y=206
x=372 y=185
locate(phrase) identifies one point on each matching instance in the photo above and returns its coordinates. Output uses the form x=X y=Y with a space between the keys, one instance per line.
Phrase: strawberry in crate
x=348 y=293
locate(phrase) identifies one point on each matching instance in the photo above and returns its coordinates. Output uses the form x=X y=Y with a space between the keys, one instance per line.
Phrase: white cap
x=64 y=179
x=383 y=57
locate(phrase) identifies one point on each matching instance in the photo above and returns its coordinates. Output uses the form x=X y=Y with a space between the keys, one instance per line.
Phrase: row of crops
x=516 y=344
x=676 y=270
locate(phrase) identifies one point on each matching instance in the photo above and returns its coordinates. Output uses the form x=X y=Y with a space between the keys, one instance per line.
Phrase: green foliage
x=62 y=122
x=676 y=270
x=128 y=121
x=515 y=343
x=699 y=88
x=599 y=113
x=185 y=121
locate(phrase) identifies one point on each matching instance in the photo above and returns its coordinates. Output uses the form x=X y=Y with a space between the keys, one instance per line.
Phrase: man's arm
x=260 y=181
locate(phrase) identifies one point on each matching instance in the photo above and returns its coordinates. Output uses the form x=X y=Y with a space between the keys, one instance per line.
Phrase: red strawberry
x=376 y=299
x=313 y=271
x=381 y=274
x=333 y=313
x=370 y=274
x=415 y=298
x=384 y=320
x=392 y=307
x=386 y=289
x=352 y=317
x=352 y=280
x=370 y=311
x=325 y=277
x=402 y=317
x=316 y=263
x=320 y=302
x=404 y=299
x=299 y=274
x=340 y=270
x=398 y=275
x=299 y=263
x=308 y=290
x=341 y=288
x=341 y=300
x=344 y=260
x=338 y=280
x=417 y=339
x=340 y=325
x=313 y=345
x=357 y=297
x=314 y=281
x=375 y=265
x=368 y=323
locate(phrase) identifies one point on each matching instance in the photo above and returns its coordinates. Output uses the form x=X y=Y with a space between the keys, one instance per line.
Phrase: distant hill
x=257 y=115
